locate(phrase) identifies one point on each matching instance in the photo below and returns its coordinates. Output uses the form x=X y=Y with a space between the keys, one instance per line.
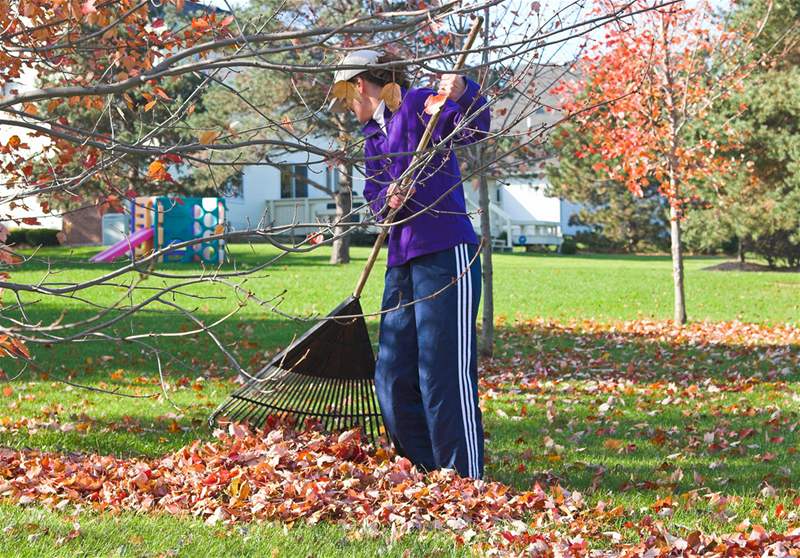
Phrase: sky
x=223 y=4
x=563 y=53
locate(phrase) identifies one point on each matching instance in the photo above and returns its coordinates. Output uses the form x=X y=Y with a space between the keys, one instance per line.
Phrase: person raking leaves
x=426 y=373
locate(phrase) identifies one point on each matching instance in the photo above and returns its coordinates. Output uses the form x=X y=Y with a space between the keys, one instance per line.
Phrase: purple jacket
x=445 y=224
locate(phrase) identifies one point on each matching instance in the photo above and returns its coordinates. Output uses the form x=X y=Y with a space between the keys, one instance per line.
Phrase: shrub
x=595 y=242
x=568 y=246
x=34 y=237
x=16 y=236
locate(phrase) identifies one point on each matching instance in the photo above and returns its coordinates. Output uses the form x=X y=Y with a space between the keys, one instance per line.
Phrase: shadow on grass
x=640 y=258
x=240 y=256
x=604 y=410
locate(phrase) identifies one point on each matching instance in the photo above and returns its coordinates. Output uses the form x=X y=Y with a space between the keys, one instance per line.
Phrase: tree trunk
x=487 y=323
x=740 y=251
x=679 y=315
x=343 y=196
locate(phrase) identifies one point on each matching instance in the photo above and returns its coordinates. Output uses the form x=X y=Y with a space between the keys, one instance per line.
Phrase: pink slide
x=124 y=246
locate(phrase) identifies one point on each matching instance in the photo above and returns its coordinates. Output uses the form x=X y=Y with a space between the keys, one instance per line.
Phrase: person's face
x=363 y=107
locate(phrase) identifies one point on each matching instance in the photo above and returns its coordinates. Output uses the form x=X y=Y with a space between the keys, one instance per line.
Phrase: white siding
x=26 y=81
x=259 y=184
x=263 y=182
x=525 y=200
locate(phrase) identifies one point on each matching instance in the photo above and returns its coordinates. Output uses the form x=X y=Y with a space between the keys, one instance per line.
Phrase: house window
x=294 y=181
x=497 y=195
x=233 y=186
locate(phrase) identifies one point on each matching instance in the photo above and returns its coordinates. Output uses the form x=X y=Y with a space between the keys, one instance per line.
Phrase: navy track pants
x=426 y=378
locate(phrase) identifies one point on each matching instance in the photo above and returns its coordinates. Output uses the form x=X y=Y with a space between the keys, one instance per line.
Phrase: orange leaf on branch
x=434 y=103
x=161 y=93
x=345 y=91
x=391 y=95
x=208 y=137
x=286 y=124
x=157 y=170
x=200 y=24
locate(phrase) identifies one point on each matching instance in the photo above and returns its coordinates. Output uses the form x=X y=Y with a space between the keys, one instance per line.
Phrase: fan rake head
x=325 y=376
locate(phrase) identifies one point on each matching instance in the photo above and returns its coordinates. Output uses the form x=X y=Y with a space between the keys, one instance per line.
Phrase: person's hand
x=452 y=85
x=397 y=195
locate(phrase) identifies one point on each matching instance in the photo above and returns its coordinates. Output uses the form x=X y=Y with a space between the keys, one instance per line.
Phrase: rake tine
x=362 y=410
x=236 y=408
x=265 y=405
x=333 y=409
x=290 y=384
x=258 y=412
x=346 y=406
x=369 y=414
x=357 y=412
x=306 y=402
x=241 y=410
x=357 y=409
x=317 y=408
x=311 y=402
x=329 y=408
x=292 y=400
x=224 y=409
x=372 y=411
x=322 y=405
x=280 y=405
x=341 y=420
x=254 y=391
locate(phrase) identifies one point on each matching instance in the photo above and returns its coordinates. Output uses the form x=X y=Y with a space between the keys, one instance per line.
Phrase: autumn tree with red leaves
x=644 y=93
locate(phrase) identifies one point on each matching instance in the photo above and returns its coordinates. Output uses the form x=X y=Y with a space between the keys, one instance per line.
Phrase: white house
x=521 y=213
x=278 y=195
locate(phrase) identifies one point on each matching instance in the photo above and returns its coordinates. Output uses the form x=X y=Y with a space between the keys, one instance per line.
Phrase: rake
x=327 y=375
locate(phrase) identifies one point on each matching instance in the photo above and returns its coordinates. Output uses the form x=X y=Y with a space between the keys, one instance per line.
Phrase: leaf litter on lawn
x=284 y=475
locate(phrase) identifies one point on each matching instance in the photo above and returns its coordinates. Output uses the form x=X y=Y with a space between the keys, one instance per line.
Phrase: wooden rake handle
x=406 y=178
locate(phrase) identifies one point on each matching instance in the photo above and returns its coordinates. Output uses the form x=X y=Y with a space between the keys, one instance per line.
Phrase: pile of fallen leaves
x=281 y=474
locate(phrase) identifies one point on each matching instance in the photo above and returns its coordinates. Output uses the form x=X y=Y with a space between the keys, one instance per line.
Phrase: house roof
x=531 y=102
x=190 y=8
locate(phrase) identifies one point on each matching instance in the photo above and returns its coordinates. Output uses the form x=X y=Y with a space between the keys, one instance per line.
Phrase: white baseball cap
x=355 y=58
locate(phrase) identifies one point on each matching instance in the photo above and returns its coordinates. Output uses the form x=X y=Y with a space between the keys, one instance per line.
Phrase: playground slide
x=124 y=246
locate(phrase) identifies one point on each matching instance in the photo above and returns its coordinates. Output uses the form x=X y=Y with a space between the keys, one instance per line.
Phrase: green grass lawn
x=626 y=419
